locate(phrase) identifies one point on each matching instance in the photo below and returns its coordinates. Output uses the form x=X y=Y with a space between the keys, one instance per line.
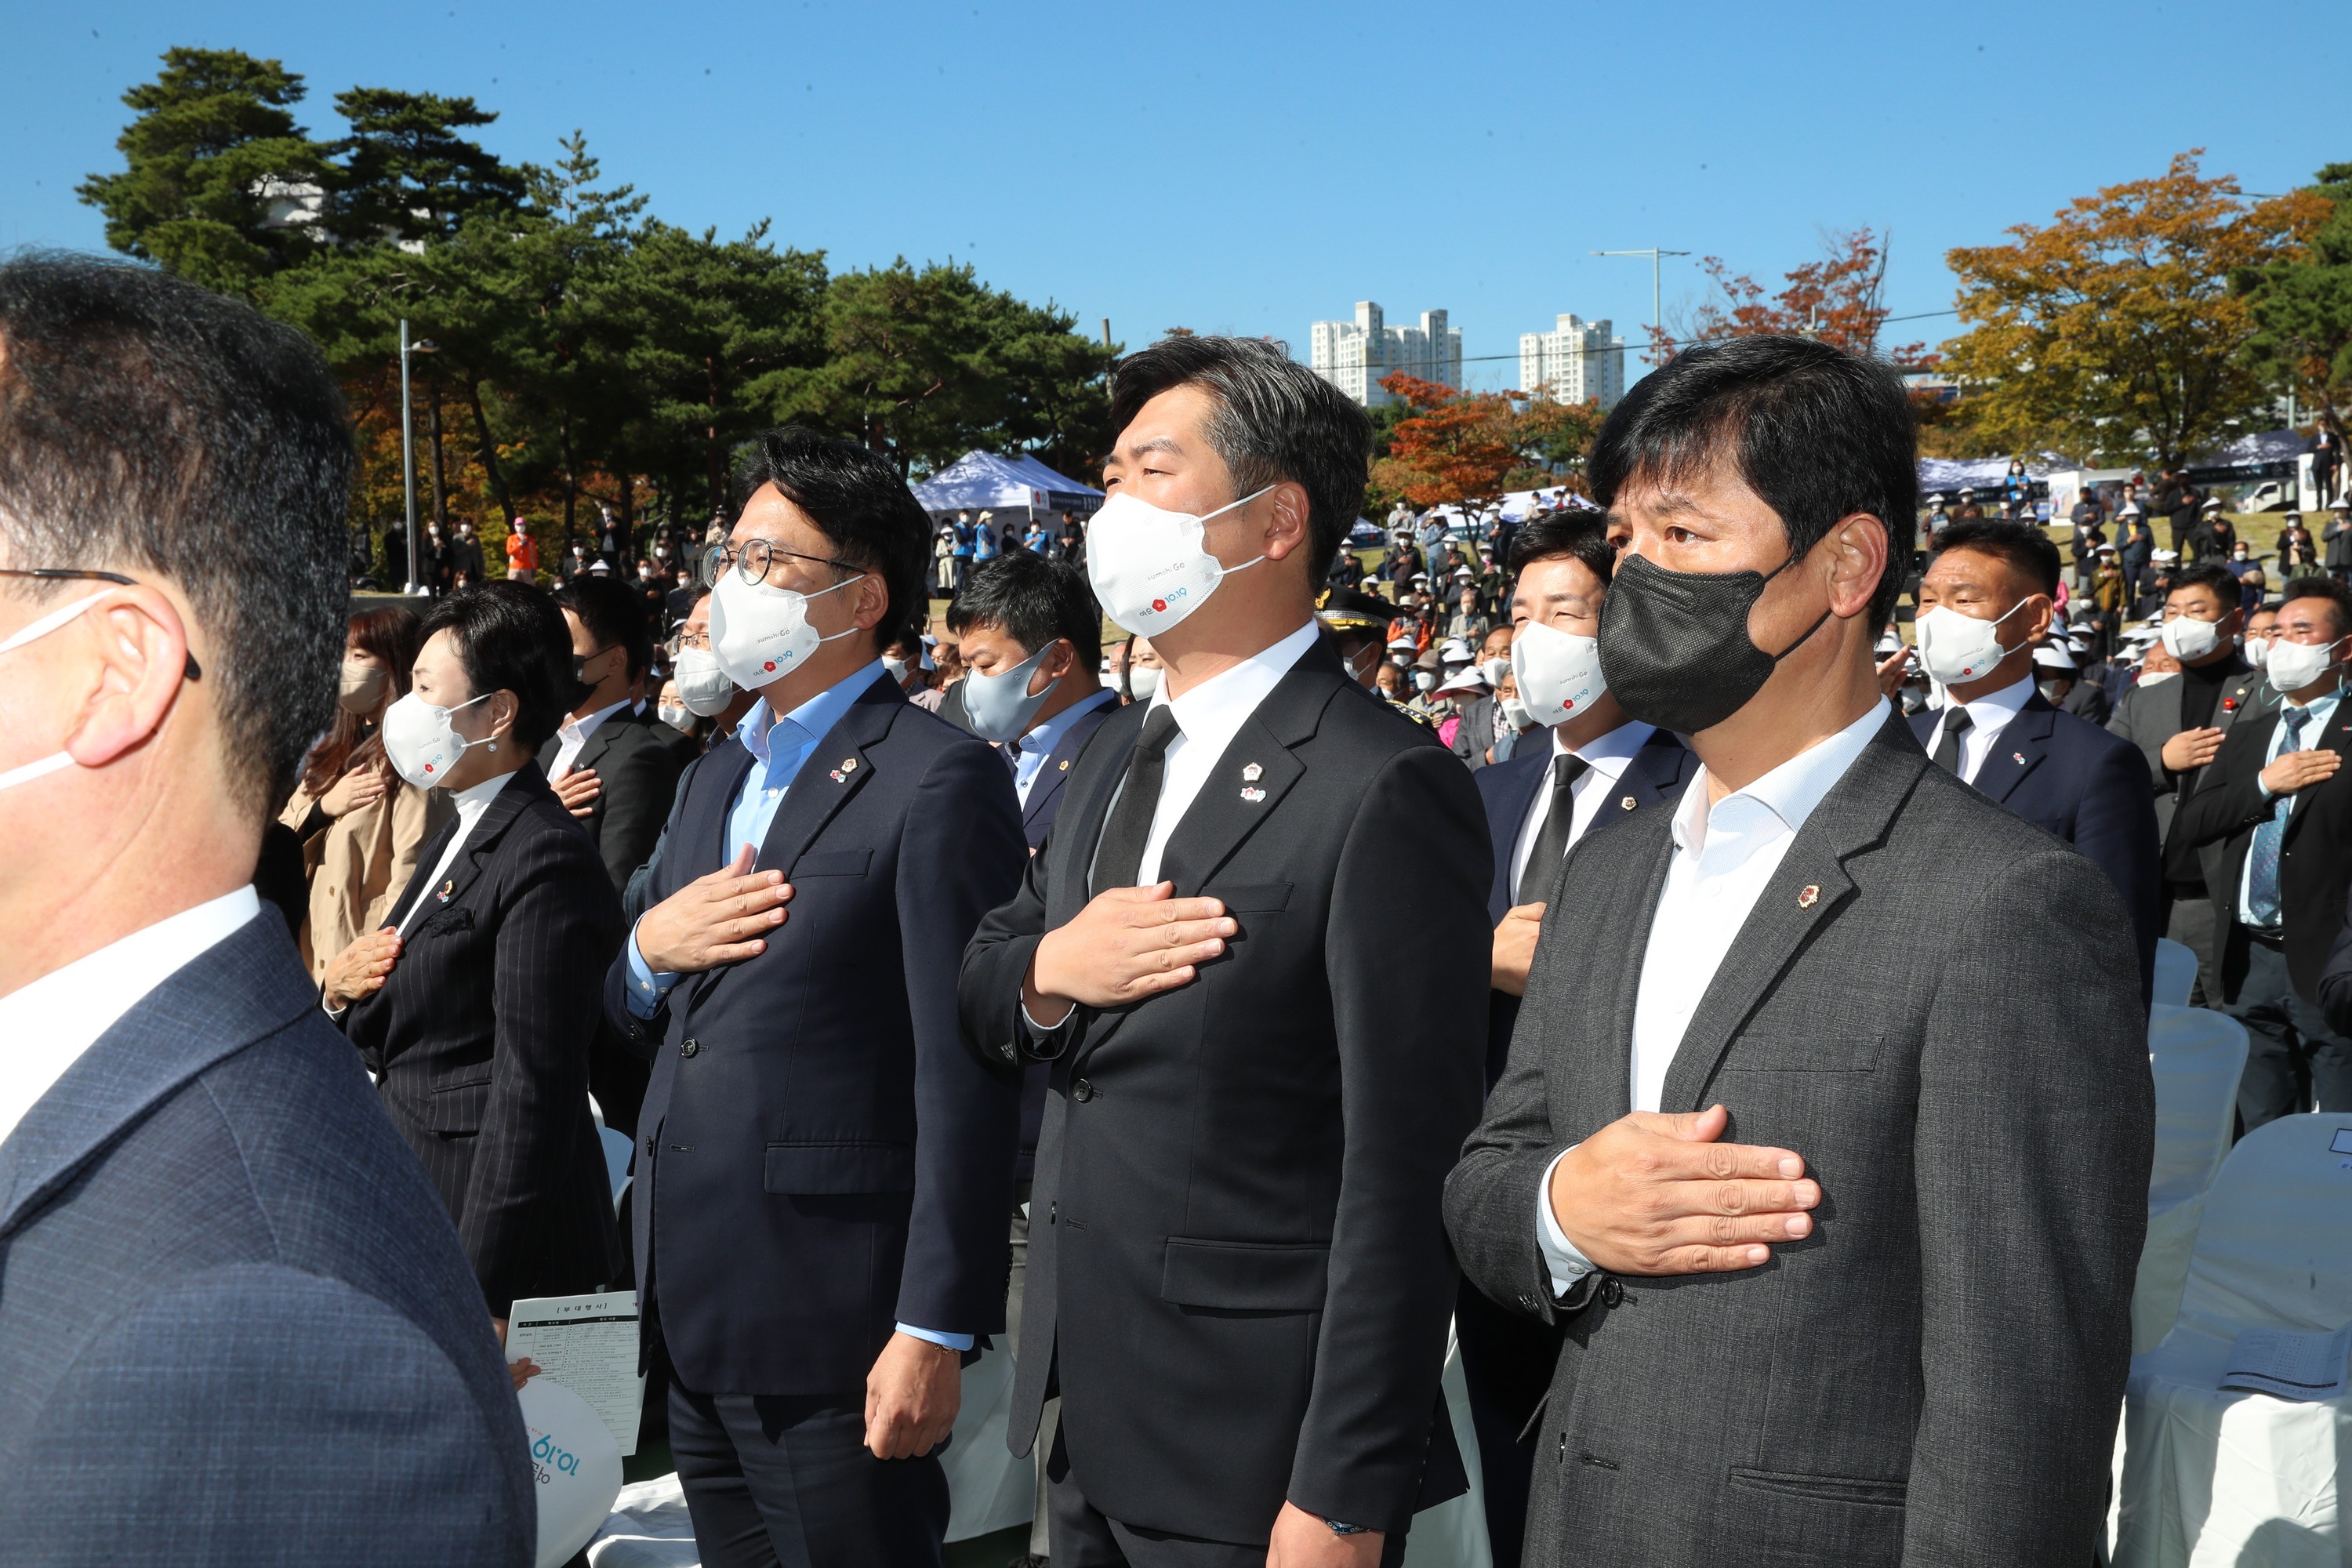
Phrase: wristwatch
x=1339 y=1528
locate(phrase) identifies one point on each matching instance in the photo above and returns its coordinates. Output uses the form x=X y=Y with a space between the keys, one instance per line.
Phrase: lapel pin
x=838 y=775
x=2017 y=756
x=849 y=764
x=1808 y=895
x=448 y=887
x=1252 y=773
x=1066 y=764
x=1253 y=796
x=1626 y=804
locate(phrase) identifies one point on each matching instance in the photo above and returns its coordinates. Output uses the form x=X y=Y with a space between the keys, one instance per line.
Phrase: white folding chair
x=2176 y=971
x=2196 y=1056
x=618 y=1148
x=2226 y=1477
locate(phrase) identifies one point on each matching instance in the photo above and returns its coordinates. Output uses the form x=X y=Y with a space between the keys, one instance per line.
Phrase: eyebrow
x=1154 y=444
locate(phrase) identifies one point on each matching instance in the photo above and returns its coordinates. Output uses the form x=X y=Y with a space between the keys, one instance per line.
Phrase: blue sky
x=1252 y=167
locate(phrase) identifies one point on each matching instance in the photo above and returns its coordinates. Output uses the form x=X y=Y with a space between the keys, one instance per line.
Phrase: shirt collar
x=1608 y=755
x=1789 y=792
x=806 y=724
x=579 y=729
x=1997 y=708
x=2319 y=707
x=475 y=799
x=1214 y=710
x=1048 y=735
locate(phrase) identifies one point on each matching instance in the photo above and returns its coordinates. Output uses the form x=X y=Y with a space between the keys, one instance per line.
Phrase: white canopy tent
x=1017 y=488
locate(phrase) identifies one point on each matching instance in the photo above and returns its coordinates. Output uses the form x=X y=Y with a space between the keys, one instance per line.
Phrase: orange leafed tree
x=1456 y=448
x=1839 y=299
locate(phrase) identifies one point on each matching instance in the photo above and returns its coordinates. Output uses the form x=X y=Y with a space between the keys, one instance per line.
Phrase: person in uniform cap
x=1355 y=622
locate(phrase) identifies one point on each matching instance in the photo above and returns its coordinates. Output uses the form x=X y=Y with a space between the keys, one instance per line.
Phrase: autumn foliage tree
x=1839 y=298
x=2302 y=306
x=2113 y=332
x=1456 y=448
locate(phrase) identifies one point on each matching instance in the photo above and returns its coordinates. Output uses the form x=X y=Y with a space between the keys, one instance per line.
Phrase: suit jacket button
x=650 y=1148
x=689 y=1047
x=1081 y=1090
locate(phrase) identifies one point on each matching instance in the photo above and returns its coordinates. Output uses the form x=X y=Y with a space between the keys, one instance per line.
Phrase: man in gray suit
x=1891 y=1323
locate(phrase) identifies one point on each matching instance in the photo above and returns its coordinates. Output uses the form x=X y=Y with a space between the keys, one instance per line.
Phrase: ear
x=1287 y=528
x=141 y=647
x=505 y=707
x=1061 y=659
x=872 y=601
x=1857 y=560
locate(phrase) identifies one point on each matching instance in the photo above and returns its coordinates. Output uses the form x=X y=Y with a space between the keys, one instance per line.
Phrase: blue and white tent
x=1018 y=485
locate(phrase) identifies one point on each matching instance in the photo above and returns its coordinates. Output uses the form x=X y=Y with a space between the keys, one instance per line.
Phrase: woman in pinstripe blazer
x=477 y=1003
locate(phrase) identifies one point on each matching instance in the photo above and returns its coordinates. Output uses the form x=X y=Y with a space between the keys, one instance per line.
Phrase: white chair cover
x=2223 y=1477
x=618 y=1147
x=2176 y=971
x=2196 y=1056
x=576 y=1463
x=988 y=1488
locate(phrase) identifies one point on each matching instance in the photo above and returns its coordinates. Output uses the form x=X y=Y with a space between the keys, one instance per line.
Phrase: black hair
x=511 y=637
x=151 y=426
x=1274 y=420
x=1820 y=433
x=614 y=614
x=2020 y=544
x=2210 y=574
x=2320 y=586
x=1034 y=602
x=859 y=504
x=1579 y=533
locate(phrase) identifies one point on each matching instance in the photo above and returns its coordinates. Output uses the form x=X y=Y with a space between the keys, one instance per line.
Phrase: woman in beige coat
x=360 y=825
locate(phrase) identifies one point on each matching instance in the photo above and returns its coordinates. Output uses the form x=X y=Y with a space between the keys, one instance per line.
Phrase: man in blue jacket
x=1984 y=608
x=237 y=1327
x=823 y=1168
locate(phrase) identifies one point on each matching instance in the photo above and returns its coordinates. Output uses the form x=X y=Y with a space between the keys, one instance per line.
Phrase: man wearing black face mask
x=606 y=762
x=1919 y=1356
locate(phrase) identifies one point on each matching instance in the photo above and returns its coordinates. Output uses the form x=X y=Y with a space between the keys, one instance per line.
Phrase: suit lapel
x=426 y=859
x=1654 y=777
x=521 y=787
x=592 y=749
x=2339 y=739
x=1047 y=787
x=2017 y=750
x=836 y=770
x=1808 y=888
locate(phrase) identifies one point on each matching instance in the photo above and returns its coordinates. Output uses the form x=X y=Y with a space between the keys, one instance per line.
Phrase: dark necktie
x=1010 y=752
x=1120 y=852
x=2263 y=910
x=1947 y=750
x=1551 y=843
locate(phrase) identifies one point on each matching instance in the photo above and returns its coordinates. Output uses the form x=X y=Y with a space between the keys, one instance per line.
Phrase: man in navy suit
x=1984 y=607
x=1030 y=635
x=824 y=1167
x=237 y=1328
x=1600 y=767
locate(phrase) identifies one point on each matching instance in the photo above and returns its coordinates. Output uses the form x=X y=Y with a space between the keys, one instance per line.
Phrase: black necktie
x=1551 y=843
x=1947 y=749
x=1010 y=752
x=1120 y=852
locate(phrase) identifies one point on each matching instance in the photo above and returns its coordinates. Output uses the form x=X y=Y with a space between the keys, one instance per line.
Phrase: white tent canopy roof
x=979 y=479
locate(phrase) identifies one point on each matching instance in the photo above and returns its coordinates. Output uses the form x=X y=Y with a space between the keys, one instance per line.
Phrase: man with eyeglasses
x=227 y=1274
x=822 y=1167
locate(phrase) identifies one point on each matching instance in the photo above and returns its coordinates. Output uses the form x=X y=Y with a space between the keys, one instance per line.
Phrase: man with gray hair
x=1237 y=1276
x=239 y=1328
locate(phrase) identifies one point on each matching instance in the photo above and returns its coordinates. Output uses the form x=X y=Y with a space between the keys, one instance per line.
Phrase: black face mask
x=1674 y=646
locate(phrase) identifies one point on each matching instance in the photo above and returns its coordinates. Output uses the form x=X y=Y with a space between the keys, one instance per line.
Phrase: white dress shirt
x=471 y=803
x=1988 y=716
x=1207 y=719
x=1724 y=855
x=49 y=1024
x=1606 y=757
x=573 y=734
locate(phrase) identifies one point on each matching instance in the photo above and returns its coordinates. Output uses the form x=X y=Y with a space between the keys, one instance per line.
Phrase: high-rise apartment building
x=1354 y=355
x=1575 y=362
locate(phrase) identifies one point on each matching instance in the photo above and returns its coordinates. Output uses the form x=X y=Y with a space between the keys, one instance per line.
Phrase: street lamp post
x=1653 y=254
x=408 y=444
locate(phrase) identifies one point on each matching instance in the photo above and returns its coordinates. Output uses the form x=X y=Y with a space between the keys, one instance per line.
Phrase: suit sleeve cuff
x=952 y=1342
x=1566 y=1263
x=1043 y=1044
x=647 y=989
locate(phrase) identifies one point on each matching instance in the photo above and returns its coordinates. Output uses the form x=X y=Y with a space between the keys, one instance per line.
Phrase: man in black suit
x=1600 y=767
x=824 y=1167
x=1984 y=605
x=611 y=765
x=2177 y=723
x=1756 y=1366
x=1241 y=1286
x=1031 y=638
x=2272 y=801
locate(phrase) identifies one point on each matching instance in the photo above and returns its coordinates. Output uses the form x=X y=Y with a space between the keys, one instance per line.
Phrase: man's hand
x=2299 y=769
x=2191 y=749
x=723 y=918
x=911 y=1397
x=1125 y=944
x=360 y=969
x=1892 y=669
x=361 y=786
x=1302 y=1541
x=578 y=791
x=1514 y=947
x=1657 y=1195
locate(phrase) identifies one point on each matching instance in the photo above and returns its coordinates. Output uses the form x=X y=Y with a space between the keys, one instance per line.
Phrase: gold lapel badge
x=849 y=764
x=448 y=887
x=1252 y=773
x=1626 y=804
x=1808 y=895
x=1066 y=764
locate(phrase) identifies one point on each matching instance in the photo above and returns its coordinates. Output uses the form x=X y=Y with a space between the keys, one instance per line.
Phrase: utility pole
x=1653 y=254
x=1105 y=331
x=408 y=453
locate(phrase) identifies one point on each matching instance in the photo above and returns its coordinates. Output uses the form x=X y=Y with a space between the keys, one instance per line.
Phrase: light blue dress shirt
x=780 y=746
x=1036 y=747
x=2322 y=710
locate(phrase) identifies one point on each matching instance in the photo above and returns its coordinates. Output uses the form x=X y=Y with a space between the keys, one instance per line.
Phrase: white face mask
x=2188 y=639
x=1424 y=681
x=2257 y=651
x=676 y=716
x=1514 y=713
x=1558 y=672
x=1954 y=647
x=760 y=634
x=422 y=742
x=1148 y=566
x=2292 y=666
x=1494 y=669
x=702 y=685
x=1142 y=682
x=2159 y=678
x=896 y=667
x=2052 y=692
x=35 y=631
